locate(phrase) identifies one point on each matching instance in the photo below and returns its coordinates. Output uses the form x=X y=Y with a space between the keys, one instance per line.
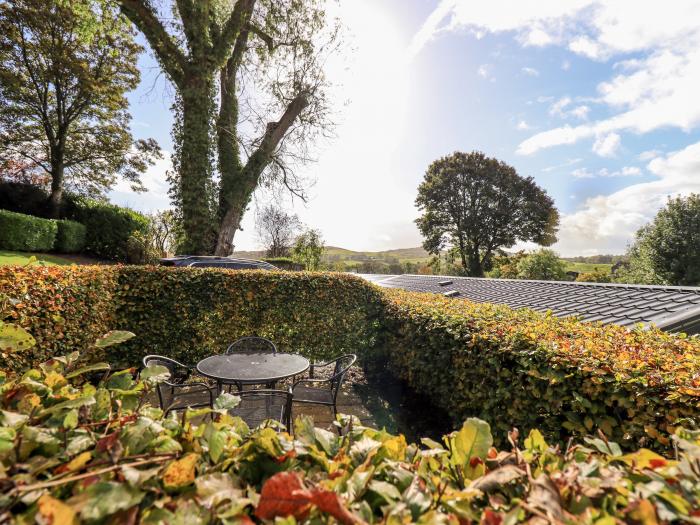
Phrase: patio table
x=252 y=368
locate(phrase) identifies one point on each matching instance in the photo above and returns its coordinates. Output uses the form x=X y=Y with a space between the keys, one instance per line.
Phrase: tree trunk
x=195 y=166
x=56 y=192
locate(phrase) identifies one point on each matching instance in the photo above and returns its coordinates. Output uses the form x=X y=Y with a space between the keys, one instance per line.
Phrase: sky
x=597 y=100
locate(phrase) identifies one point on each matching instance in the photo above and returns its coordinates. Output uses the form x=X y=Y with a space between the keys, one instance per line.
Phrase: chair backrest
x=252 y=344
x=284 y=397
x=178 y=371
x=342 y=365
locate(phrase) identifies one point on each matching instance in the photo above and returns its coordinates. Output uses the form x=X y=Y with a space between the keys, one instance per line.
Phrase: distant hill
x=335 y=254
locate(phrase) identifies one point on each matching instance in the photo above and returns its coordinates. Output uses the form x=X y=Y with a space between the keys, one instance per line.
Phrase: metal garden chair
x=258 y=406
x=252 y=344
x=317 y=391
x=180 y=391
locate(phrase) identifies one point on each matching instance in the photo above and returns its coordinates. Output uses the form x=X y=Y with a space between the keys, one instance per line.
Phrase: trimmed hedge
x=70 y=237
x=64 y=308
x=26 y=233
x=530 y=370
x=189 y=314
x=75 y=452
x=108 y=226
x=508 y=367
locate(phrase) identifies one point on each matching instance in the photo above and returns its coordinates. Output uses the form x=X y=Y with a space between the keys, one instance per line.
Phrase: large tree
x=261 y=62
x=65 y=67
x=478 y=205
x=667 y=250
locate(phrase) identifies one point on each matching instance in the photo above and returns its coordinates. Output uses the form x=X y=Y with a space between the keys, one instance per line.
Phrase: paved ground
x=381 y=401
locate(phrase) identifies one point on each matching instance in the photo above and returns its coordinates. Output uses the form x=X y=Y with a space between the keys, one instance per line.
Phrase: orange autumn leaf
x=180 y=473
x=55 y=512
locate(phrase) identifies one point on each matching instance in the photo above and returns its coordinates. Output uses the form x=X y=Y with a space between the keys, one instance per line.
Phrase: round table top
x=252 y=367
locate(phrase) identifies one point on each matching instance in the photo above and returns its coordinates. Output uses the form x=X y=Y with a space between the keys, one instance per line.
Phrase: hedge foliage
x=76 y=452
x=507 y=367
x=530 y=370
x=70 y=237
x=63 y=308
x=26 y=233
x=108 y=226
x=190 y=314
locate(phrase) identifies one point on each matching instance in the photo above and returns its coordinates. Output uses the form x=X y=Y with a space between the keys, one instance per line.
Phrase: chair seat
x=256 y=410
x=308 y=394
x=186 y=396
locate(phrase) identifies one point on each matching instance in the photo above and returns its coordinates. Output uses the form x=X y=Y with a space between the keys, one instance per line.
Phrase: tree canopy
x=543 y=265
x=479 y=205
x=65 y=68
x=250 y=91
x=276 y=230
x=308 y=249
x=667 y=250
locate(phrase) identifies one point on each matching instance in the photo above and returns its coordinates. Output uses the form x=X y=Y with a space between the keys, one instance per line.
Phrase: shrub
x=531 y=370
x=26 y=233
x=285 y=263
x=74 y=452
x=544 y=264
x=70 y=237
x=64 y=309
x=509 y=367
x=23 y=198
x=596 y=276
x=108 y=226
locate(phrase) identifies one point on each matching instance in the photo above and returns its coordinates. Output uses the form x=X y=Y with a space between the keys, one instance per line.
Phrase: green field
x=22 y=258
x=581 y=267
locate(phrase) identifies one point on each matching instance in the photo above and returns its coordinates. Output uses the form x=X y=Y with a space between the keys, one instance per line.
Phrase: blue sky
x=596 y=100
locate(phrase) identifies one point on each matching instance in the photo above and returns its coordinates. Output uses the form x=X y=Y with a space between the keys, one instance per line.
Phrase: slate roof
x=671 y=308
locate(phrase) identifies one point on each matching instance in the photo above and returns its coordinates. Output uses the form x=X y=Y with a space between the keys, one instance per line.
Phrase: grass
x=587 y=267
x=23 y=258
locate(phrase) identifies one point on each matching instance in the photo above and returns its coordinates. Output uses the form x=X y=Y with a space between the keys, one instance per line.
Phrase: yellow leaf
x=396 y=448
x=55 y=512
x=54 y=379
x=180 y=473
x=79 y=461
x=644 y=513
x=645 y=458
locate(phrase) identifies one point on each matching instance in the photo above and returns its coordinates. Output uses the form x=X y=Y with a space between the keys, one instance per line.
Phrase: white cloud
x=486 y=71
x=649 y=154
x=582 y=173
x=656 y=89
x=523 y=126
x=566 y=164
x=580 y=112
x=607 y=145
x=530 y=71
x=558 y=108
x=608 y=222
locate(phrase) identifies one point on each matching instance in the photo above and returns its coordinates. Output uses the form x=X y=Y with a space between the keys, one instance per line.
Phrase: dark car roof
x=671 y=308
x=203 y=261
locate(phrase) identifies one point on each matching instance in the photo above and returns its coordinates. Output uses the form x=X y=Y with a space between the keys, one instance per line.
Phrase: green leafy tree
x=544 y=264
x=478 y=205
x=65 y=68
x=261 y=62
x=308 y=249
x=667 y=250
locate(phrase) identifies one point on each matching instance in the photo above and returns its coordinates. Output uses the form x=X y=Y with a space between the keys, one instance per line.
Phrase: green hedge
x=65 y=309
x=529 y=370
x=70 y=237
x=189 y=314
x=26 y=233
x=108 y=226
x=74 y=452
x=510 y=368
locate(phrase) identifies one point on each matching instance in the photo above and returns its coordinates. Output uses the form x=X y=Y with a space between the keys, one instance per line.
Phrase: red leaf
x=283 y=495
x=329 y=502
x=490 y=517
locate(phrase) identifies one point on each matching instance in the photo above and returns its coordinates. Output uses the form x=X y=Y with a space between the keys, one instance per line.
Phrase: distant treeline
x=596 y=259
